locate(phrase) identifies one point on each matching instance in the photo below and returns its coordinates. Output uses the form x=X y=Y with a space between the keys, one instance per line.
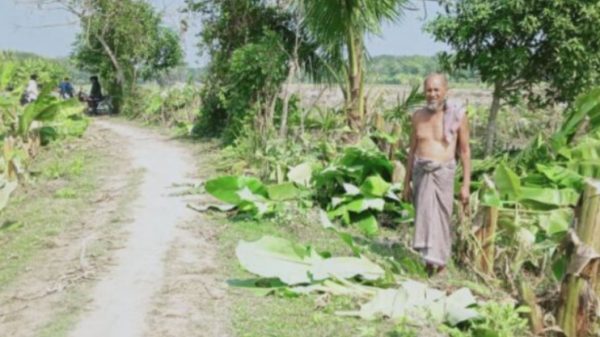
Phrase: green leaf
x=559 y=267
x=374 y=186
x=491 y=198
x=43 y=109
x=367 y=224
x=281 y=192
x=556 y=221
x=564 y=177
x=360 y=205
x=226 y=188
x=550 y=196
x=507 y=182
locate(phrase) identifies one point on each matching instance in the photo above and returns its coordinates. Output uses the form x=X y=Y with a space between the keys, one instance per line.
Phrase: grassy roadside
x=65 y=178
x=254 y=315
x=70 y=198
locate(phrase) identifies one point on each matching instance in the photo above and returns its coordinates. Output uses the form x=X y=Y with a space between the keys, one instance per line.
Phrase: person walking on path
x=32 y=90
x=65 y=88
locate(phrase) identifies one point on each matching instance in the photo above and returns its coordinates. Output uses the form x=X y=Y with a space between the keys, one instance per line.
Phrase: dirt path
x=162 y=278
x=123 y=300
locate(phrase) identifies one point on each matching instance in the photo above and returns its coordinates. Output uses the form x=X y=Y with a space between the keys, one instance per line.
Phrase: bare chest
x=430 y=129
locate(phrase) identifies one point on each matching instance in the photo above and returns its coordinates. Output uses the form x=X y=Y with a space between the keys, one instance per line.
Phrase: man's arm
x=407 y=192
x=464 y=152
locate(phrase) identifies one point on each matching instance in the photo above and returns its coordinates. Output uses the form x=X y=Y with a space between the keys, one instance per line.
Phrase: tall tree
x=249 y=43
x=122 y=40
x=340 y=26
x=549 y=49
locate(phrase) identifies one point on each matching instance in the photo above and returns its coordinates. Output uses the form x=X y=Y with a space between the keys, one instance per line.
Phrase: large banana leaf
x=507 y=182
x=295 y=264
x=550 y=196
x=7 y=70
x=227 y=188
x=586 y=105
x=43 y=109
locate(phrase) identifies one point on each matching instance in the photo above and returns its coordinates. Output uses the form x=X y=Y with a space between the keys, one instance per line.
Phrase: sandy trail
x=122 y=299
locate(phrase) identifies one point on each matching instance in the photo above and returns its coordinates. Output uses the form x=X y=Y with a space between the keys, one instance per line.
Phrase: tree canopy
x=546 y=51
x=123 y=41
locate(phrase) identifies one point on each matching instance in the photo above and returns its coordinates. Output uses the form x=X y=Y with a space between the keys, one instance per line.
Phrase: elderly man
x=440 y=131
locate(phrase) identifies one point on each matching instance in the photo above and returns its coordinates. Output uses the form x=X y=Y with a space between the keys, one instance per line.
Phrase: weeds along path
x=141 y=295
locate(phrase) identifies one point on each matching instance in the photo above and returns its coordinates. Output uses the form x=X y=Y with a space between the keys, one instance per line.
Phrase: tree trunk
x=580 y=290
x=293 y=67
x=490 y=136
x=355 y=102
x=113 y=59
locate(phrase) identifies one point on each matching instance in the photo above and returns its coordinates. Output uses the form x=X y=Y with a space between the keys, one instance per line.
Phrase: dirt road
x=161 y=279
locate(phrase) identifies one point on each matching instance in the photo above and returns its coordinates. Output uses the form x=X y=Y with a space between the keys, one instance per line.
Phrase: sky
x=51 y=32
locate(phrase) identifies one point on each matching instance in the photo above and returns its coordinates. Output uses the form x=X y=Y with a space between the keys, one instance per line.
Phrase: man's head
x=33 y=77
x=435 y=86
x=66 y=79
x=94 y=78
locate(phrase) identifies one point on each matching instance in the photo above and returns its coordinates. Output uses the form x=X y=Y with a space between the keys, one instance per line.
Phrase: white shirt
x=32 y=90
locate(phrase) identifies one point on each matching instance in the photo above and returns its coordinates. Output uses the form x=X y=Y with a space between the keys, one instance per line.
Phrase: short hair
x=436 y=75
x=94 y=78
x=66 y=78
x=33 y=76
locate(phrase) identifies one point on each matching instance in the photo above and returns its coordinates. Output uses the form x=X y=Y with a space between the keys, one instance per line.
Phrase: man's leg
x=94 y=106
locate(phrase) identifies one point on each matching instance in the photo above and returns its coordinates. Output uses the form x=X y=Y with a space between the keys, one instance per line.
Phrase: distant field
x=385 y=95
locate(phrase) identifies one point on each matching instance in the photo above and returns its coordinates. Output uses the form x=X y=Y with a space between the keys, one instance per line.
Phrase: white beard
x=434 y=106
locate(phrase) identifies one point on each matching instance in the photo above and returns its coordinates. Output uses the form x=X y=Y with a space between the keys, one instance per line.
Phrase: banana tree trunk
x=580 y=289
x=355 y=102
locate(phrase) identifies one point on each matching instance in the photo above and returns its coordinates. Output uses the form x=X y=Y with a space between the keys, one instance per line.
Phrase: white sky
x=51 y=32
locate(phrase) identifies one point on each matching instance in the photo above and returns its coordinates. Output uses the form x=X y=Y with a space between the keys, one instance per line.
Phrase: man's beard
x=434 y=106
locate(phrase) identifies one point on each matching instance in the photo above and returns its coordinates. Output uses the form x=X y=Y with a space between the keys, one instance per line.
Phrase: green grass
x=61 y=186
x=65 y=317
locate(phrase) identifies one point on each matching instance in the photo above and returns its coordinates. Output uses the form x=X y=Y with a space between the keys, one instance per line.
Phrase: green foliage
x=123 y=41
x=250 y=195
x=172 y=106
x=227 y=188
x=339 y=27
x=518 y=45
x=356 y=188
x=409 y=70
x=45 y=108
x=496 y=320
x=537 y=189
x=250 y=43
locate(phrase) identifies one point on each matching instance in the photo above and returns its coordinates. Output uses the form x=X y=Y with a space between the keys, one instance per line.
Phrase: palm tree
x=342 y=24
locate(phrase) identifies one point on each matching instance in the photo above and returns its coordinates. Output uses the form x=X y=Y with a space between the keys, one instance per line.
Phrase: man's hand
x=407 y=193
x=464 y=195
